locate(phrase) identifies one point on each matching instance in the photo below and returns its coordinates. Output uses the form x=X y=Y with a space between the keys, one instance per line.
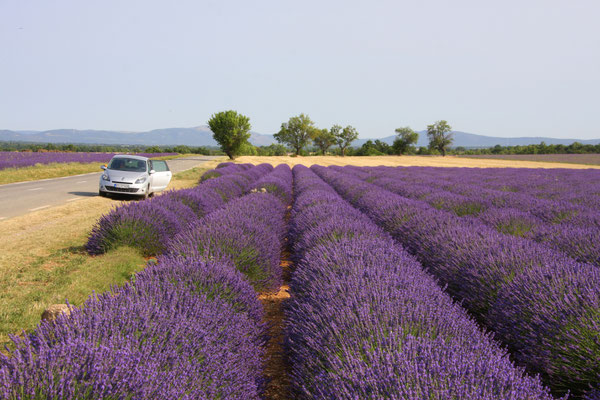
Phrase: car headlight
x=105 y=177
x=141 y=180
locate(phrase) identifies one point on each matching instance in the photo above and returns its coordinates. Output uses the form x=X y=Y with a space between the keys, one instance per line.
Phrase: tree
x=182 y=149
x=440 y=136
x=368 y=149
x=272 y=150
x=383 y=147
x=323 y=139
x=230 y=130
x=296 y=133
x=344 y=137
x=405 y=139
x=153 y=149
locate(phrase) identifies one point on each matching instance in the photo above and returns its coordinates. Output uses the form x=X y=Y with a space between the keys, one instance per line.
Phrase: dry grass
x=396 y=161
x=191 y=176
x=46 y=171
x=42 y=260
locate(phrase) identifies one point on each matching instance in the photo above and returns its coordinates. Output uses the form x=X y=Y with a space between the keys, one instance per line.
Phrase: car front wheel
x=146 y=193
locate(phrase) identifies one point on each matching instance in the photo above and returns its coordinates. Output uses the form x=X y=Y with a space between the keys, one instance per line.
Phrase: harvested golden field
x=407 y=161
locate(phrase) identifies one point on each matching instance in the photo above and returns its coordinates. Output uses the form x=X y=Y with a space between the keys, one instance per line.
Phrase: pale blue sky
x=498 y=68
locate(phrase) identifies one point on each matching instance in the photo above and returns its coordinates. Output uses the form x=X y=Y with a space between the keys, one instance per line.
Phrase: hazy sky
x=498 y=68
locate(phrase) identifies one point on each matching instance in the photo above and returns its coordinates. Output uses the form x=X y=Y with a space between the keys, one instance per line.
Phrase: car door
x=162 y=175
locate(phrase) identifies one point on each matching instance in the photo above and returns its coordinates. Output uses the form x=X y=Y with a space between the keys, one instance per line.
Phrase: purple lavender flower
x=248 y=232
x=149 y=225
x=486 y=269
x=157 y=339
x=365 y=321
x=224 y=169
x=15 y=159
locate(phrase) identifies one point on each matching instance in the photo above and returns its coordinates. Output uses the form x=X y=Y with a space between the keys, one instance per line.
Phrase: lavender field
x=407 y=283
x=589 y=159
x=16 y=159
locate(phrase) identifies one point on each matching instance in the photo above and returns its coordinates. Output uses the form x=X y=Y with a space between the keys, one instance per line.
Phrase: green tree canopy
x=369 y=149
x=324 y=139
x=231 y=130
x=182 y=149
x=274 y=149
x=405 y=139
x=440 y=136
x=344 y=137
x=296 y=133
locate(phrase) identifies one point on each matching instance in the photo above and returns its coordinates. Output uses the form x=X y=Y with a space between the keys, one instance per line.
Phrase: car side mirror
x=151 y=171
x=103 y=166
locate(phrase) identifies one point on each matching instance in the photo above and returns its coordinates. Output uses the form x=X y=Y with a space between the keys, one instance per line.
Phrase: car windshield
x=127 y=164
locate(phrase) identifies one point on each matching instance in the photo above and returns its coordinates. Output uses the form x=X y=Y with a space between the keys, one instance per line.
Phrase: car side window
x=160 y=166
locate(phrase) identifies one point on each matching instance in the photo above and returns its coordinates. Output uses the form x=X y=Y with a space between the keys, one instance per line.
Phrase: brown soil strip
x=276 y=363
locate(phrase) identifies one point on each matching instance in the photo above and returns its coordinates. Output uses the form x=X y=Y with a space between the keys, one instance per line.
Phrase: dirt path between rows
x=276 y=363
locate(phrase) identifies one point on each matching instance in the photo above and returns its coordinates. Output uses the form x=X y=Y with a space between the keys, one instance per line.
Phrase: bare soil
x=276 y=365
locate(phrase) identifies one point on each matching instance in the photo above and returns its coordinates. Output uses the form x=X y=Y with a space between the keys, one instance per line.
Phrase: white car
x=134 y=175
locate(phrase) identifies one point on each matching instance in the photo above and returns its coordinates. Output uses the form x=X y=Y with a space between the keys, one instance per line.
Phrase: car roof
x=131 y=156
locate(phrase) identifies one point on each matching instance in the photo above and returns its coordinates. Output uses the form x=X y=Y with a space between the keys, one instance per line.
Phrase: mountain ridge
x=202 y=136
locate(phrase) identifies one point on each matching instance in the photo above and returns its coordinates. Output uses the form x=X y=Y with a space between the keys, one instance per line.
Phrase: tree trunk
x=343 y=149
x=231 y=156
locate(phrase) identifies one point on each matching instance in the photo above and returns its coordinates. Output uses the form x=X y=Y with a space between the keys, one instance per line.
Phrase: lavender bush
x=556 y=220
x=224 y=169
x=483 y=268
x=159 y=338
x=366 y=322
x=146 y=225
x=279 y=183
x=212 y=279
x=248 y=232
x=149 y=225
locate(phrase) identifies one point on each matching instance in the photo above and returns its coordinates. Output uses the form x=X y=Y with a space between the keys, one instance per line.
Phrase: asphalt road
x=24 y=197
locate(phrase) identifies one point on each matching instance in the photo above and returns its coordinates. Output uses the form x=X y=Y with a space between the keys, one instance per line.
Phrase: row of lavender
x=571 y=228
x=15 y=159
x=365 y=320
x=542 y=304
x=150 y=225
x=573 y=185
x=188 y=327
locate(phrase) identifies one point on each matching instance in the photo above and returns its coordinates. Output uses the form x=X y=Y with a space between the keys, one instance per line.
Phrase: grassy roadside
x=56 y=170
x=42 y=260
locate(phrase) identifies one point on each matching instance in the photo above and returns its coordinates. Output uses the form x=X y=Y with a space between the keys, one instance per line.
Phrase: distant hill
x=202 y=136
x=471 y=140
x=197 y=136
